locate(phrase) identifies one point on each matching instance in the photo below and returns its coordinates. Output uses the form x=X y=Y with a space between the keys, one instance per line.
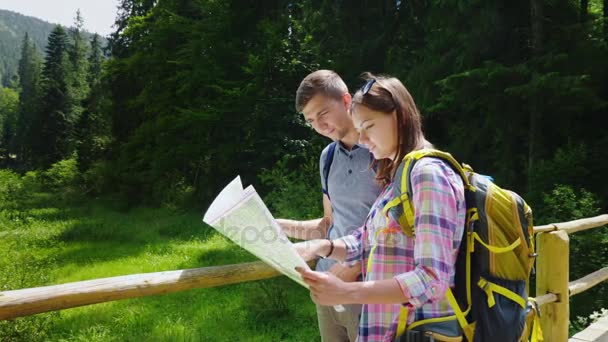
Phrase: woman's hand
x=327 y=289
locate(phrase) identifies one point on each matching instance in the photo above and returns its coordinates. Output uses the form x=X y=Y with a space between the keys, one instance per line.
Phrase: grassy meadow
x=48 y=238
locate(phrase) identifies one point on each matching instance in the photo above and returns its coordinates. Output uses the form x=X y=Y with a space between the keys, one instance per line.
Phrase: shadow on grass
x=145 y=225
x=223 y=256
x=89 y=254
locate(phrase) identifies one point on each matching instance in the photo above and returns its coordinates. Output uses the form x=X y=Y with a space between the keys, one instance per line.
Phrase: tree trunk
x=606 y=19
x=584 y=10
x=536 y=18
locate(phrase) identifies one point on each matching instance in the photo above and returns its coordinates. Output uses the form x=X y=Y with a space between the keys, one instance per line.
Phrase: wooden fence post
x=552 y=270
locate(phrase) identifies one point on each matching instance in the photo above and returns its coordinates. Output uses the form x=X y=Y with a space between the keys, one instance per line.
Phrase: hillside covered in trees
x=13 y=27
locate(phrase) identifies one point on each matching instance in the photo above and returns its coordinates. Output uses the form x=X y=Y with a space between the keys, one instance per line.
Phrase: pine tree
x=93 y=129
x=51 y=140
x=9 y=101
x=30 y=66
x=78 y=88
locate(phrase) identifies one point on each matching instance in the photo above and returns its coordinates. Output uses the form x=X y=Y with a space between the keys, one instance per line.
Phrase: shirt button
x=351 y=157
x=350 y=171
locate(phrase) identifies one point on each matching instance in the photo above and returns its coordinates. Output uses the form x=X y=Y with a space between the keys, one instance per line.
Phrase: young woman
x=403 y=277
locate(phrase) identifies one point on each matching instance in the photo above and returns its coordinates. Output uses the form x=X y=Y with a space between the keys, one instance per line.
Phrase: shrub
x=62 y=175
x=10 y=185
x=296 y=188
x=173 y=191
x=588 y=249
x=98 y=178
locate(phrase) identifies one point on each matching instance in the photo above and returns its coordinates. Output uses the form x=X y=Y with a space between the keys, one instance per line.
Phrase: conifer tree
x=9 y=101
x=29 y=71
x=93 y=128
x=78 y=87
x=51 y=141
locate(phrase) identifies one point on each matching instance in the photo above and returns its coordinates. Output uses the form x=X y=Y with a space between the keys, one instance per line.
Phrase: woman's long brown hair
x=388 y=94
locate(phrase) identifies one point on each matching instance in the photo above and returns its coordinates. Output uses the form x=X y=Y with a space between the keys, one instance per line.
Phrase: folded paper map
x=241 y=215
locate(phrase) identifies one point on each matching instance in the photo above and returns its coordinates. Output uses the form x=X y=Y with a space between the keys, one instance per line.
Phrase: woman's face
x=377 y=131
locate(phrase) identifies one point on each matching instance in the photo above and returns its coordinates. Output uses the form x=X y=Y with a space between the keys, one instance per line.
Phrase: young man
x=348 y=192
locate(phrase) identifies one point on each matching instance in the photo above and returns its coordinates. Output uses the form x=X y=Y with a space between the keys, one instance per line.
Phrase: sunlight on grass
x=54 y=244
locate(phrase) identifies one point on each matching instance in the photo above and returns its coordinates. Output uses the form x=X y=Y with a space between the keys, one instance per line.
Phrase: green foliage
x=563 y=203
x=269 y=301
x=9 y=105
x=63 y=178
x=174 y=192
x=219 y=120
x=295 y=187
x=196 y=92
x=13 y=26
x=77 y=72
x=583 y=322
x=93 y=130
x=55 y=122
x=21 y=265
x=588 y=249
x=30 y=69
x=10 y=185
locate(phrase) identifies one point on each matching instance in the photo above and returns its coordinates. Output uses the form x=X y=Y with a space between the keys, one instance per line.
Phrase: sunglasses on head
x=367 y=86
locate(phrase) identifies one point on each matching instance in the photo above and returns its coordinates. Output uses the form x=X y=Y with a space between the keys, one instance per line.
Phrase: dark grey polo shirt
x=352 y=191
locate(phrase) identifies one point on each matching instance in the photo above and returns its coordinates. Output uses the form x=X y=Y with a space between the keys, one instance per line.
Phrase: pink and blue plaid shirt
x=424 y=269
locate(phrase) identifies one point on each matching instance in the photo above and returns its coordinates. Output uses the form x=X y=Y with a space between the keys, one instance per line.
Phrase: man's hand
x=309 y=250
x=346 y=272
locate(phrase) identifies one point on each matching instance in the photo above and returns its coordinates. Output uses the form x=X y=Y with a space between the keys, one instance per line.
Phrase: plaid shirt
x=423 y=269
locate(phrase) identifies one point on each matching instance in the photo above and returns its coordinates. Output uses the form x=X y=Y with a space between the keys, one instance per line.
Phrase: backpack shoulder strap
x=403 y=184
x=329 y=158
x=414 y=156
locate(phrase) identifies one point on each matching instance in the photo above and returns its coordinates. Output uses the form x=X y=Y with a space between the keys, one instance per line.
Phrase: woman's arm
x=438 y=200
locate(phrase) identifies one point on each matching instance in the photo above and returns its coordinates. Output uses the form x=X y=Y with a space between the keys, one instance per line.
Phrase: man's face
x=329 y=117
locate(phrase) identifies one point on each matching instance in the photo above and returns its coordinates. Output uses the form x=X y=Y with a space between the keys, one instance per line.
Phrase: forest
x=187 y=94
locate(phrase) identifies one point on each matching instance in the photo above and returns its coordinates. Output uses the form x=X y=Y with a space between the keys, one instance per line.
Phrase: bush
x=10 y=185
x=32 y=182
x=98 y=178
x=296 y=188
x=62 y=175
x=173 y=191
x=583 y=322
x=588 y=249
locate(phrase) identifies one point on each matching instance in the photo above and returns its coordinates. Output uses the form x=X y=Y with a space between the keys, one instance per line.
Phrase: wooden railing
x=553 y=287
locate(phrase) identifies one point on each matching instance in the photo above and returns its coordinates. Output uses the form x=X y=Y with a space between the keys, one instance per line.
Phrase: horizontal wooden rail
x=588 y=281
x=27 y=302
x=577 y=286
x=546 y=299
x=575 y=226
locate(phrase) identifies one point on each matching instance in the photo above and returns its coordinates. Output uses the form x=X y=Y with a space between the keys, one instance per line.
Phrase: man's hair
x=321 y=82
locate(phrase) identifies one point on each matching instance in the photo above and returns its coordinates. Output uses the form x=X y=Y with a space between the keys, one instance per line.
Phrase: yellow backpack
x=494 y=262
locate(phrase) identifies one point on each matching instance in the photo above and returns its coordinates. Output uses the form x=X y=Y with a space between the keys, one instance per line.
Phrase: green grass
x=51 y=240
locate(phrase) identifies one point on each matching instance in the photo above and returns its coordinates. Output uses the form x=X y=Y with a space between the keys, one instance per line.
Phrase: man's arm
x=311 y=229
x=345 y=271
